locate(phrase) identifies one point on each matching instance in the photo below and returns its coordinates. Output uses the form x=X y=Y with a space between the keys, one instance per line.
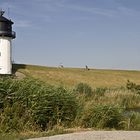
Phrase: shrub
x=14 y=118
x=54 y=107
x=83 y=88
x=133 y=87
x=30 y=104
x=130 y=85
x=102 y=116
x=15 y=114
x=100 y=91
x=132 y=121
x=130 y=101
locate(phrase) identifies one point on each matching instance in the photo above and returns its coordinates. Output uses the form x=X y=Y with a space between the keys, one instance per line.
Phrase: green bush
x=7 y=90
x=54 y=107
x=130 y=101
x=133 y=87
x=102 y=116
x=31 y=104
x=83 y=88
x=13 y=119
x=132 y=121
x=100 y=91
x=15 y=114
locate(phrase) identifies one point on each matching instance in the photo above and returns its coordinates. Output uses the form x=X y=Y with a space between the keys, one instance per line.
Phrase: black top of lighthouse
x=6 y=26
x=1 y=13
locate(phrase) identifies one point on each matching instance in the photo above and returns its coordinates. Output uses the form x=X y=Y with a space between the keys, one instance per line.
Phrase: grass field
x=70 y=77
x=32 y=108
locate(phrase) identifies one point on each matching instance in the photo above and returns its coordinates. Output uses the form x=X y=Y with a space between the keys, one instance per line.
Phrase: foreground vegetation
x=30 y=105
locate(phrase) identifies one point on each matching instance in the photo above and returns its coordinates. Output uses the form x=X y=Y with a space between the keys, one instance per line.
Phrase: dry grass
x=69 y=77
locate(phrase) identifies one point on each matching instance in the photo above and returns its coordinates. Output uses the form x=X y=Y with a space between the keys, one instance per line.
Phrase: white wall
x=5 y=55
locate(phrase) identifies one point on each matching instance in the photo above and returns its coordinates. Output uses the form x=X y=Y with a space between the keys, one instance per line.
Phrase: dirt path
x=96 y=135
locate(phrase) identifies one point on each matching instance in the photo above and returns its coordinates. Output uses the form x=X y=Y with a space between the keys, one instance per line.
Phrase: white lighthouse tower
x=6 y=36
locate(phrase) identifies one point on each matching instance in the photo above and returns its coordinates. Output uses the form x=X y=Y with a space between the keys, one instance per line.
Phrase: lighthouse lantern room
x=6 y=36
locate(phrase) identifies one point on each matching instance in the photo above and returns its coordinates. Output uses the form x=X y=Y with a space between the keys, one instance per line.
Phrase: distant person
x=87 y=68
x=61 y=65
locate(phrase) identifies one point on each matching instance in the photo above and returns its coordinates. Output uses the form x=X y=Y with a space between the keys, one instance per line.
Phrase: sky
x=102 y=34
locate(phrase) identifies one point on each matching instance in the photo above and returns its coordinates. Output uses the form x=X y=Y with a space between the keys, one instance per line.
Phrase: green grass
x=35 y=134
x=69 y=77
x=98 y=99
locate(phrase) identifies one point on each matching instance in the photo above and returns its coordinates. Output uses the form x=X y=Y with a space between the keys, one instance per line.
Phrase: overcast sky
x=97 y=33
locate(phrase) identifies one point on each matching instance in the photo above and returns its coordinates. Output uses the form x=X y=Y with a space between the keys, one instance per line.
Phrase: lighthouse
x=6 y=36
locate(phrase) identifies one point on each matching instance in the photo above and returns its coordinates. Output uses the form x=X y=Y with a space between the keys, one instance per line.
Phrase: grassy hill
x=29 y=106
x=69 y=77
